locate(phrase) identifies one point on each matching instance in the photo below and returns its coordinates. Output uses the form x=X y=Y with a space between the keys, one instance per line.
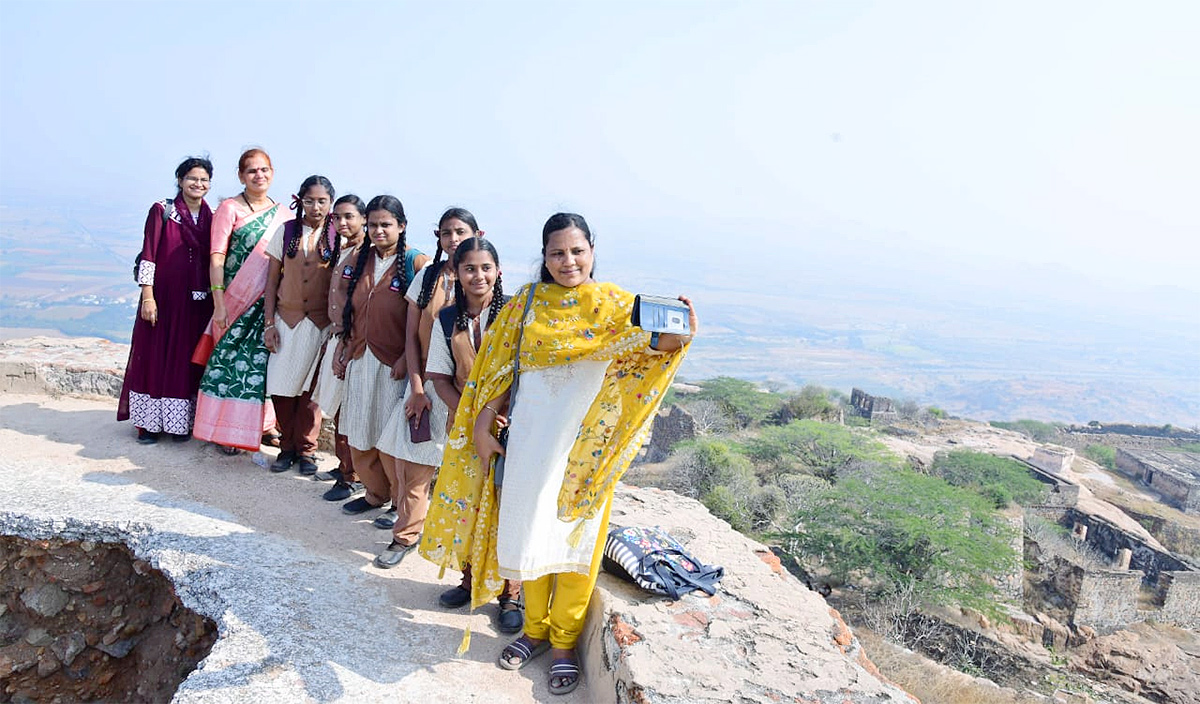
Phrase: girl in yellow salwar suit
x=589 y=385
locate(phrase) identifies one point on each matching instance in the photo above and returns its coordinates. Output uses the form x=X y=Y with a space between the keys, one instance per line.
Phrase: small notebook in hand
x=418 y=427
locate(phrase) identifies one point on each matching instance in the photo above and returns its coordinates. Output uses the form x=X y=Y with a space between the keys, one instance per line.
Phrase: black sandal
x=567 y=671
x=518 y=653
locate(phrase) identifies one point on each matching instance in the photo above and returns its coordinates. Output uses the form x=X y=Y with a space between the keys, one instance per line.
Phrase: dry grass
x=932 y=682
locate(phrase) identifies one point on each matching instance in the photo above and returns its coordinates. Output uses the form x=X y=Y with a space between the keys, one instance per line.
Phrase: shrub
x=810 y=402
x=741 y=399
x=809 y=446
x=998 y=479
x=1102 y=455
x=900 y=527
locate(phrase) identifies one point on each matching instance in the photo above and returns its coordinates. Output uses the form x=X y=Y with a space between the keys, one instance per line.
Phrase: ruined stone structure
x=877 y=409
x=670 y=427
x=1154 y=584
x=1174 y=475
x=1055 y=460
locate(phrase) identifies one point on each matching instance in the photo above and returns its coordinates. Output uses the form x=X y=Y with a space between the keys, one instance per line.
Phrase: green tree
x=999 y=479
x=898 y=528
x=742 y=399
x=822 y=449
x=810 y=402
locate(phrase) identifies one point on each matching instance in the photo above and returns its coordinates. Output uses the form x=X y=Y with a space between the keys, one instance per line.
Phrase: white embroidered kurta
x=550 y=405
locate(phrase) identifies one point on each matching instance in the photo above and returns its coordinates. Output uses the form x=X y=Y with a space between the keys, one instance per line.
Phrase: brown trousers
x=341 y=448
x=369 y=465
x=412 y=484
x=299 y=422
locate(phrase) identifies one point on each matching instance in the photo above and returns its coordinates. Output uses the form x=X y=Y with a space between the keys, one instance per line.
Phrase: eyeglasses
x=193 y=179
x=310 y=203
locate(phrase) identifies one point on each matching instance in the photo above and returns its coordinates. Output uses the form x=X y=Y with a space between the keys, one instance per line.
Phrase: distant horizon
x=945 y=196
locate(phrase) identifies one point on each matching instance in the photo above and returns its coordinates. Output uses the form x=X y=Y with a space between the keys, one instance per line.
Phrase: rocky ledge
x=300 y=616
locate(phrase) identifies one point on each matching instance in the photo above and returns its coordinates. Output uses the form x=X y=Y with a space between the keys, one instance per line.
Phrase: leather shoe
x=385 y=520
x=393 y=555
x=511 y=617
x=454 y=598
x=284 y=462
x=344 y=490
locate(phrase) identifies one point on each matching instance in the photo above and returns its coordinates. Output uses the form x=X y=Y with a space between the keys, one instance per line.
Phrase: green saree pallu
x=230 y=407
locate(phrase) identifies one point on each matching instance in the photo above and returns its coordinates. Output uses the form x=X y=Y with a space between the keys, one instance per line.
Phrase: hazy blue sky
x=1053 y=135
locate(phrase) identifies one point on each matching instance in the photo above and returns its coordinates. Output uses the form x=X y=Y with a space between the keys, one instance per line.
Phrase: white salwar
x=396 y=440
x=330 y=390
x=371 y=394
x=290 y=370
x=550 y=405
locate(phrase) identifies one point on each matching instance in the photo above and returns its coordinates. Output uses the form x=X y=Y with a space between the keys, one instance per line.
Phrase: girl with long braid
x=414 y=459
x=297 y=320
x=371 y=354
x=350 y=220
x=456 y=339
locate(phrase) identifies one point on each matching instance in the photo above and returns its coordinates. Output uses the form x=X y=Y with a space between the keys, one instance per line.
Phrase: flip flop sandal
x=523 y=650
x=229 y=450
x=564 y=668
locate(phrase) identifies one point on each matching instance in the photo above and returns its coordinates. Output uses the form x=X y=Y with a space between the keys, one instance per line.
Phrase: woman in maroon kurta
x=159 y=393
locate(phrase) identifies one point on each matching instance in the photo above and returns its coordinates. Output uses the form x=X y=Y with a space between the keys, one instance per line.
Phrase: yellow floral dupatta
x=588 y=322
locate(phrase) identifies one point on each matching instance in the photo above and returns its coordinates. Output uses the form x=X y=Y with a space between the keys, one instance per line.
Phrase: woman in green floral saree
x=230 y=408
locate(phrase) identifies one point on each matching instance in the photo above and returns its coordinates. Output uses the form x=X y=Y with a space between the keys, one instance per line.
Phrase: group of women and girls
x=260 y=317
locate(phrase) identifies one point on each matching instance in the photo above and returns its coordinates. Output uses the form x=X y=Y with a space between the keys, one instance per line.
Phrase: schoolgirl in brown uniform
x=302 y=258
x=350 y=220
x=371 y=354
x=415 y=436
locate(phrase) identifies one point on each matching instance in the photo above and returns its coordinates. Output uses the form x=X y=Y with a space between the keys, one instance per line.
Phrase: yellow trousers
x=556 y=604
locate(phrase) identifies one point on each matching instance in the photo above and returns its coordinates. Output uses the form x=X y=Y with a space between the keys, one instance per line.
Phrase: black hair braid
x=497 y=299
x=431 y=277
x=348 y=311
x=293 y=243
x=460 y=306
x=401 y=269
x=335 y=249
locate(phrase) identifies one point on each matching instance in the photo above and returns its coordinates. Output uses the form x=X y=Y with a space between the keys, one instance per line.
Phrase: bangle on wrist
x=493 y=410
x=217 y=287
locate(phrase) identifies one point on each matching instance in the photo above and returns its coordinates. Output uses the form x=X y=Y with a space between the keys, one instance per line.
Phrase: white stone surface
x=302 y=614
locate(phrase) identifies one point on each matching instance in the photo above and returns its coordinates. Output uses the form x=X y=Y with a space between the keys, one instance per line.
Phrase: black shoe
x=344 y=490
x=455 y=598
x=308 y=465
x=386 y=520
x=393 y=555
x=333 y=475
x=284 y=462
x=146 y=437
x=511 y=617
x=359 y=505
x=182 y=438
